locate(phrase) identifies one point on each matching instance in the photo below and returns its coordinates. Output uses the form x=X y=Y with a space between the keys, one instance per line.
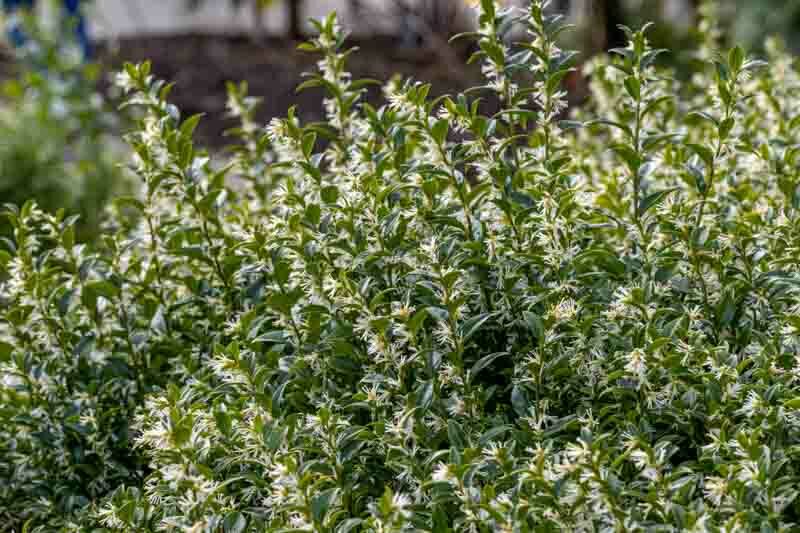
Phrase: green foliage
x=420 y=317
x=55 y=129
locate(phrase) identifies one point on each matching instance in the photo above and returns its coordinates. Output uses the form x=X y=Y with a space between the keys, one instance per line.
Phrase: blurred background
x=60 y=131
x=200 y=44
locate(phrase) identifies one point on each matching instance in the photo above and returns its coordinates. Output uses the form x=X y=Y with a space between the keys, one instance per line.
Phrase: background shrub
x=57 y=134
x=422 y=318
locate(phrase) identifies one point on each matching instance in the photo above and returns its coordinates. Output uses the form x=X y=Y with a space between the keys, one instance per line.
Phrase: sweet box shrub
x=422 y=318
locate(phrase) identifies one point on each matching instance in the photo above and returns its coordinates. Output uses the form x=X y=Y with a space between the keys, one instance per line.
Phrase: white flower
x=374 y=395
x=715 y=489
x=565 y=310
x=752 y=405
x=442 y=472
x=400 y=504
x=495 y=452
x=637 y=365
x=457 y=406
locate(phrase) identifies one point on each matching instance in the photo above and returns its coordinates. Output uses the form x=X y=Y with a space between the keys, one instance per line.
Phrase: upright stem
x=710 y=175
x=637 y=180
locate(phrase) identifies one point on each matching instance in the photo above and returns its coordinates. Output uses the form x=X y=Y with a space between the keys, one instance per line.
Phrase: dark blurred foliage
x=746 y=22
x=750 y=20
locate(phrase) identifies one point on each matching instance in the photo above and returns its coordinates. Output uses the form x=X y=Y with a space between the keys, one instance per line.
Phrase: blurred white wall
x=118 y=18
